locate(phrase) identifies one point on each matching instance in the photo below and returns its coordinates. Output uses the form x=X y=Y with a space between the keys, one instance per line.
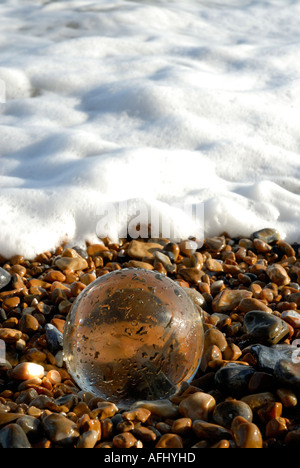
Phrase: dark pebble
x=267 y=235
x=60 y=429
x=265 y=327
x=288 y=373
x=54 y=338
x=233 y=379
x=267 y=357
x=5 y=278
x=31 y=426
x=13 y=436
x=226 y=411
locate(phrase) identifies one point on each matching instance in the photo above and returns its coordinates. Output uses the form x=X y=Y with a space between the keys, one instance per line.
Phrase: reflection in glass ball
x=132 y=334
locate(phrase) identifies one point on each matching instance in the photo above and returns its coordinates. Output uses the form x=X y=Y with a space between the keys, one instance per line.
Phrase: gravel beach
x=245 y=392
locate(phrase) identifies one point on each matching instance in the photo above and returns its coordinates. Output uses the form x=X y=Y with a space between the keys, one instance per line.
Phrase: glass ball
x=132 y=334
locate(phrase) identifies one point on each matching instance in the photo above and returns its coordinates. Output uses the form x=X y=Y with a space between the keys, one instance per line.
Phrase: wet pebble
x=54 y=338
x=267 y=235
x=88 y=439
x=228 y=299
x=288 y=373
x=233 y=378
x=246 y=434
x=226 y=411
x=198 y=405
x=169 y=441
x=5 y=278
x=13 y=436
x=278 y=274
x=31 y=426
x=209 y=431
x=60 y=430
x=264 y=327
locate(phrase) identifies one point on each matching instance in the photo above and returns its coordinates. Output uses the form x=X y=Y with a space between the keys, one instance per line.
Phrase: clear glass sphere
x=132 y=334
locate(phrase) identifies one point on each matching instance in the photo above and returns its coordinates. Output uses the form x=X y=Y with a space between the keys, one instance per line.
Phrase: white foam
x=165 y=101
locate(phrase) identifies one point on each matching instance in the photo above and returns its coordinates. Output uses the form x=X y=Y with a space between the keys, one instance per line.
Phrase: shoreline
x=249 y=367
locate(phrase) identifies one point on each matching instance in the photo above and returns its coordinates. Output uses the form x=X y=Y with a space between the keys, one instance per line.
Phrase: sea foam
x=162 y=102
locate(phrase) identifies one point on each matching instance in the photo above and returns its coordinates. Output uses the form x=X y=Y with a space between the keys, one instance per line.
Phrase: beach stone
x=198 y=405
x=276 y=428
x=251 y=303
x=197 y=298
x=292 y=317
x=266 y=357
x=210 y=431
x=140 y=414
x=216 y=243
x=169 y=441
x=266 y=328
x=6 y=418
x=227 y=410
x=87 y=440
x=233 y=378
x=182 y=426
x=214 y=265
x=71 y=263
x=288 y=373
x=213 y=336
x=9 y=335
x=13 y=436
x=27 y=370
x=54 y=338
x=145 y=434
x=138 y=264
x=143 y=250
x=162 y=408
x=28 y=324
x=60 y=430
x=228 y=299
x=246 y=434
x=5 y=278
x=124 y=440
x=31 y=426
x=191 y=275
x=278 y=274
x=267 y=235
x=287 y=397
x=258 y=400
x=260 y=382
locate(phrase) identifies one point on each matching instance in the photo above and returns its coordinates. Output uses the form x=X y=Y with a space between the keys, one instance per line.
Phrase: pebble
x=233 y=378
x=87 y=440
x=258 y=400
x=182 y=426
x=288 y=373
x=251 y=303
x=28 y=324
x=227 y=410
x=143 y=250
x=278 y=275
x=246 y=434
x=71 y=263
x=287 y=397
x=5 y=278
x=54 y=338
x=10 y=335
x=169 y=441
x=162 y=408
x=267 y=235
x=13 y=436
x=27 y=370
x=292 y=317
x=124 y=440
x=228 y=299
x=198 y=405
x=265 y=327
x=213 y=336
x=60 y=430
x=210 y=431
x=31 y=426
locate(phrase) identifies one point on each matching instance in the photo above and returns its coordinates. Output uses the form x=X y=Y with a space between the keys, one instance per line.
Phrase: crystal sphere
x=132 y=334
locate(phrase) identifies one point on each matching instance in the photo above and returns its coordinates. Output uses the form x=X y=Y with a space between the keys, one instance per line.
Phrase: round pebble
x=226 y=411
